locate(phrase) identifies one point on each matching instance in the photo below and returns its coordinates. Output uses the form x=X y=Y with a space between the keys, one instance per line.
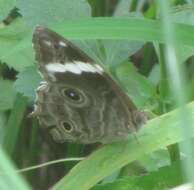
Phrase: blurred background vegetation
x=131 y=48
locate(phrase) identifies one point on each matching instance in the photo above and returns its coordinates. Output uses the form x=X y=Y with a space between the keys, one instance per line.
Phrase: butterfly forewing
x=78 y=101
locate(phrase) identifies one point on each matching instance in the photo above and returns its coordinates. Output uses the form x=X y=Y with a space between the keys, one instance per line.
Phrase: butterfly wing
x=78 y=101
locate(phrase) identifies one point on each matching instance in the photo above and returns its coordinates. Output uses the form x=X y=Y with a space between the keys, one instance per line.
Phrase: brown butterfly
x=78 y=101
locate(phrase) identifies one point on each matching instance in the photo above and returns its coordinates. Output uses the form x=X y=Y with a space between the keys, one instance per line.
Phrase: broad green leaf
x=118 y=51
x=92 y=48
x=41 y=12
x=109 y=52
x=6 y=6
x=15 y=45
x=122 y=8
x=7 y=94
x=157 y=133
x=27 y=81
x=138 y=87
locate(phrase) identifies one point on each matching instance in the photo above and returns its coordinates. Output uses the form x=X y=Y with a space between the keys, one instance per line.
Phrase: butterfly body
x=78 y=101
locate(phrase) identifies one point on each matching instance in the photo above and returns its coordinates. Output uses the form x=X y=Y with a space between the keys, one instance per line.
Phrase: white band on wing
x=76 y=67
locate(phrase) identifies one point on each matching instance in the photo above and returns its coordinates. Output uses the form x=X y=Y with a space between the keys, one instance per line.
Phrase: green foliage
x=7 y=94
x=5 y=7
x=27 y=81
x=123 y=50
x=184 y=15
x=9 y=179
x=162 y=179
x=138 y=87
x=14 y=124
x=15 y=48
x=45 y=12
x=109 y=53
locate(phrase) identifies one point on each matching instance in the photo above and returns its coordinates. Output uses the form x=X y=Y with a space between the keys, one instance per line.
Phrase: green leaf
x=154 y=75
x=7 y=95
x=164 y=178
x=43 y=12
x=118 y=51
x=15 y=45
x=138 y=87
x=121 y=28
x=2 y=125
x=15 y=39
x=122 y=8
x=27 y=81
x=92 y=48
x=155 y=160
x=6 y=6
x=184 y=15
x=109 y=52
x=13 y=124
x=157 y=133
x=9 y=178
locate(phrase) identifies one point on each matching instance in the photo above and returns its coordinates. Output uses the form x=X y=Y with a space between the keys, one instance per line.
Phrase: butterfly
x=78 y=101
